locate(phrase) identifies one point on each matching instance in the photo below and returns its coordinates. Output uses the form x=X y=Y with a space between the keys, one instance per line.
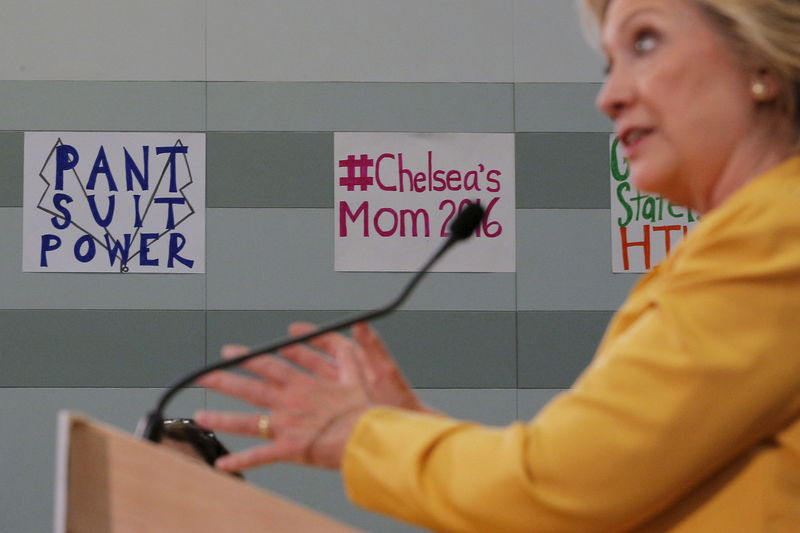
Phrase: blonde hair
x=765 y=32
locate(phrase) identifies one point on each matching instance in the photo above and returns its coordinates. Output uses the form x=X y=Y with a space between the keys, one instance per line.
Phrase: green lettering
x=621 y=189
x=649 y=211
x=672 y=212
x=615 y=164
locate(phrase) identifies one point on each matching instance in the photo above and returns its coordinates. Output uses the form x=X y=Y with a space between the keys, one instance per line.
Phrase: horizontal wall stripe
x=109 y=40
x=11 y=158
x=282 y=259
x=272 y=169
x=549 y=45
x=300 y=106
x=264 y=169
x=564 y=261
x=562 y=170
x=414 y=107
x=38 y=290
x=363 y=40
x=555 y=346
x=27 y=447
x=102 y=106
x=435 y=349
x=558 y=107
x=295 y=169
x=73 y=348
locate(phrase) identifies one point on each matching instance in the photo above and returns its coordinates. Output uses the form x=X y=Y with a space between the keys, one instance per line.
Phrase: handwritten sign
x=644 y=227
x=396 y=193
x=114 y=202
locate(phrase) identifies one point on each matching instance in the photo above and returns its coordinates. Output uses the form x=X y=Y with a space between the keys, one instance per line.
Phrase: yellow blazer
x=687 y=420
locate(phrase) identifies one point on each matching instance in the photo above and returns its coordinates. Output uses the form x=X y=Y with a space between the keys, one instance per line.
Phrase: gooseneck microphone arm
x=463 y=226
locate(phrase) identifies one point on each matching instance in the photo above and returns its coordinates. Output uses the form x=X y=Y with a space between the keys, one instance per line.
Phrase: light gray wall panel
x=28 y=435
x=564 y=261
x=323 y=491
x=531 y=401
x=37 y=290
x=99 y=348
x=494 y=407
x=109 y=40
x=274 y=259
x=549 y=45
x=417 y=107
x=102 y=106
x=11 y=154
x=360 y=40
x=562 y=170
x=555 y=346
x=269 y=169
x=567 y=107
x=435 y=349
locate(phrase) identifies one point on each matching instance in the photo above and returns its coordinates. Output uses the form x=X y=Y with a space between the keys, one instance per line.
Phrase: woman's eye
x=645 y=42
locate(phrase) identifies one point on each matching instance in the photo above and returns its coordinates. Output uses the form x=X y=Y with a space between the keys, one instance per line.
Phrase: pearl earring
x=759 y=89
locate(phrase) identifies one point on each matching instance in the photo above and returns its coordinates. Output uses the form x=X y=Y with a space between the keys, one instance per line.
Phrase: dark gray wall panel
x=554 y=347
x=562 y=170
x=102 y=106
x=567 y=107
x=28 y=442
x=435 y=349
x=417 y=107
x=269 y=169
x=98 y=348
x=11 y=156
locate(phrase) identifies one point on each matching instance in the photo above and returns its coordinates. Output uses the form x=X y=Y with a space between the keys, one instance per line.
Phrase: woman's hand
x=385 y=383
x=313 y=405
x=312 y=414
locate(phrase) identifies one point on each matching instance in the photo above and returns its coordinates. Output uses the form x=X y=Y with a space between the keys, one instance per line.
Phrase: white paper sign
x=644 y=227
x=114 y=202
x=396 y=193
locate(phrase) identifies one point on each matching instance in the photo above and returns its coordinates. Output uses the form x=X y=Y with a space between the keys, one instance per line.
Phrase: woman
x=688 y=419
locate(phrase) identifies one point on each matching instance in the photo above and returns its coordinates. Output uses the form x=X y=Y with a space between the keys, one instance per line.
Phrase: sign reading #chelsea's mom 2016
x=114 y=202
x=396 y=194
x=644 y=227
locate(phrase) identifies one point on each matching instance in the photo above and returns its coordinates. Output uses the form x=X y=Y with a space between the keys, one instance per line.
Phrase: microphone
x=465 y=223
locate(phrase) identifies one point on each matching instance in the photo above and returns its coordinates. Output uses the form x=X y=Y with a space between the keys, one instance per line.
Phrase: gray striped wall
x=269 y=82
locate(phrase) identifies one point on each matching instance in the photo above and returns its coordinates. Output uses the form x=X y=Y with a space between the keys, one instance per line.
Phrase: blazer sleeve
x=704 y=373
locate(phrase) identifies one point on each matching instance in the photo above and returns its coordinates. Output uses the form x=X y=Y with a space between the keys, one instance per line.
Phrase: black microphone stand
x=150 y=427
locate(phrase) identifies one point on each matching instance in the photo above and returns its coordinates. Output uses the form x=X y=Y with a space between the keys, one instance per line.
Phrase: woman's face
x=679 y=97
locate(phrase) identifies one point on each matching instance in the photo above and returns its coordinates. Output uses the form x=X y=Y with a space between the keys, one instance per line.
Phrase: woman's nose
x=615 y=95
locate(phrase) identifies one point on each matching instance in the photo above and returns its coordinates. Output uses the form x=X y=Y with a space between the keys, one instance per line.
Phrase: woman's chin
x=651 y=180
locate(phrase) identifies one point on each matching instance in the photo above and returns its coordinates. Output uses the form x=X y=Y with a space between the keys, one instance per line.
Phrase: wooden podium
x=109 y=482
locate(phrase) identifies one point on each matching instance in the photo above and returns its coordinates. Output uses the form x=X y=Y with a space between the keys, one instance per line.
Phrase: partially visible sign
x=396 y=193
x=114 y=202
x=644 y=227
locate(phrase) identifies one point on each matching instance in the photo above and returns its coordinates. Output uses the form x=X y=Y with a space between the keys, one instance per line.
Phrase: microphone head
x=466 y=221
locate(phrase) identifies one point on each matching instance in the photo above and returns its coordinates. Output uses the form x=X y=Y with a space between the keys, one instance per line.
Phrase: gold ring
x=263 y=426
